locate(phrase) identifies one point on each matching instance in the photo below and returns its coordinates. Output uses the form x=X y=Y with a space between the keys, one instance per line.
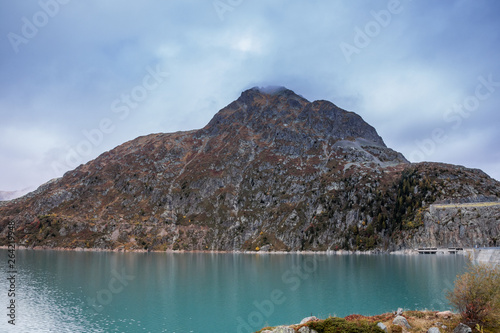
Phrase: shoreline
x=465 y=252
x=395 y=321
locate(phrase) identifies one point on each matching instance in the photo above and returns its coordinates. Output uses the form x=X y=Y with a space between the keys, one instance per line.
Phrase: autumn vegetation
x=476 y=296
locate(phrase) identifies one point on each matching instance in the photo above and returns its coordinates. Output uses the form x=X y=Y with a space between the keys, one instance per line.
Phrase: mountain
x=271 y=171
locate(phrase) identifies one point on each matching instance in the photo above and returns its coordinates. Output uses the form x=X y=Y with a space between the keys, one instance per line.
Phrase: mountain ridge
x=271 y=171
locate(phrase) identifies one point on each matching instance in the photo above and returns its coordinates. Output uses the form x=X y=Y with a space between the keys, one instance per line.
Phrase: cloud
x=24 y=153
x=63 y=81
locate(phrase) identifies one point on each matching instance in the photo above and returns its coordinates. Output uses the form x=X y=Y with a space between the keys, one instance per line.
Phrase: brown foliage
x=477 y=295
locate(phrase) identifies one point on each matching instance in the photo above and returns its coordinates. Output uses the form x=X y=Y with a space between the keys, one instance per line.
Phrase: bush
x=396 y=329
x=477 y=295
x=340 y=325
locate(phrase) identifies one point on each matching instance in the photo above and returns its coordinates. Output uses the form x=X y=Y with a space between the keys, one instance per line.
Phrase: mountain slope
x=271 y=170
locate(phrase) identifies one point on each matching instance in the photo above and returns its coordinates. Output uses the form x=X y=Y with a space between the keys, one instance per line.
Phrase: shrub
x=476 y=295
x=340 y=325
x=396 y=329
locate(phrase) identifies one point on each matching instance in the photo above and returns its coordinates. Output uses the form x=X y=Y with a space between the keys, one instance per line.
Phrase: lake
x=59 y=291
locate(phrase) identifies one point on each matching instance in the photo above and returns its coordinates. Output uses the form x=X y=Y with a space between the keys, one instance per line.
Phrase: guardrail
x=434 y=250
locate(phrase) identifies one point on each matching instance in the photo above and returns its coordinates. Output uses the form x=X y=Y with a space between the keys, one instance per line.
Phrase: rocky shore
x=397 y=321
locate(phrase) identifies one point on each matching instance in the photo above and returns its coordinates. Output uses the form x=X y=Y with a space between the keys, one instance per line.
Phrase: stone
x=399 y=312
x=306 y=329
x=63 y=232
x=382 y=327
x=308 y=319
x=283 y=329
x=433 y=330
x=445 y=314
x=461 y=328
x=401 y=321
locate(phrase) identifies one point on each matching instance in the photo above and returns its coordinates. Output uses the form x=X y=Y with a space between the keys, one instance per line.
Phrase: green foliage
x=364 y=237
x=338 y=325
x=412 y=191
x=476 y=295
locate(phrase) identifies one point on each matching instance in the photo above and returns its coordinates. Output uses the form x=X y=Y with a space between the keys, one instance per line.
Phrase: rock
x=308 y=319
x=283 y=329
x=439 y=324
x=401 y=321
x=445 y=314
x=63 y=232
x=433 y=330
x=399 y=312
x=382 y=327
x=306 y=329
x=461 y=328
x=265 y=248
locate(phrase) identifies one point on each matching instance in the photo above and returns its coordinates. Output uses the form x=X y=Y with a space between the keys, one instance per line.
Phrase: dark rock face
x=285 y=116
x=271 y=171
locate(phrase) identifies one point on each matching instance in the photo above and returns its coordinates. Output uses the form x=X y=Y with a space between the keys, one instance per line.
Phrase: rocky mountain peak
x=279 y=113
x=270 y=92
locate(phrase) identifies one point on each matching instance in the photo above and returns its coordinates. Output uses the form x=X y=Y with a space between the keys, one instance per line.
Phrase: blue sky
x=78 y=78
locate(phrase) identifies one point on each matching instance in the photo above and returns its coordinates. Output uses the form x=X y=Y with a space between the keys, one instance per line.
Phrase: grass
x=334 y=325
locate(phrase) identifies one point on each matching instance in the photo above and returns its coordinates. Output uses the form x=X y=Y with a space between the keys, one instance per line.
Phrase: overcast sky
x=78 y=78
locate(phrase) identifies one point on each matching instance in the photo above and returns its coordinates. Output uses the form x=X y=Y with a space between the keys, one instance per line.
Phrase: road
x=468 y=205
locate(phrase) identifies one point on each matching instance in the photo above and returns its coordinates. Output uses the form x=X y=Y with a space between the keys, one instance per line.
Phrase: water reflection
x=165 y=292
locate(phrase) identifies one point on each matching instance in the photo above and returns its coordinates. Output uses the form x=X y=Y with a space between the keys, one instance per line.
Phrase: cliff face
x=270 y=170
x=464 y=225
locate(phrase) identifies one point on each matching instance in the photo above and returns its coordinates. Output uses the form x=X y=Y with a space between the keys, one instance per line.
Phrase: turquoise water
x=200 y=292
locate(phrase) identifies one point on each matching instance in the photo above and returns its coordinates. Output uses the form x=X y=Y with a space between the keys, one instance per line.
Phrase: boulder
x=283 y=329
x=306 y=329
x=265 y=248
x=382 y=327
x=445 y=314
x=308 y=319
x=433 y=330
x=401 y=321
x=461 y=328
